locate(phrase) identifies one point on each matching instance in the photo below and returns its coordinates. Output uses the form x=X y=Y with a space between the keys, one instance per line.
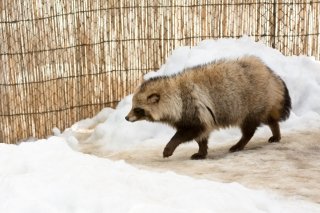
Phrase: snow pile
x=301 y=74
x=48 y=176
x=109 y=130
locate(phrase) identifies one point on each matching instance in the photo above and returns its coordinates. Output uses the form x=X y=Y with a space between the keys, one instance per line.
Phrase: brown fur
x=243 y=92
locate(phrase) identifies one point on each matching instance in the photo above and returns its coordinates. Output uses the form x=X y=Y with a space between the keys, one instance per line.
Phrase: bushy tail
x=286 y=104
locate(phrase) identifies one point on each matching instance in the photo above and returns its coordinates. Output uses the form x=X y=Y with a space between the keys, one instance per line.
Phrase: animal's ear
x=153 y=98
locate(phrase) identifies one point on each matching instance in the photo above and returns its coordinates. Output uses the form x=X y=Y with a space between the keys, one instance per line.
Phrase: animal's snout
x=131 y=117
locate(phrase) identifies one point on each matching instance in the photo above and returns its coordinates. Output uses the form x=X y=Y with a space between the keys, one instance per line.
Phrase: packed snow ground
x=49 y=176
x=290 y=168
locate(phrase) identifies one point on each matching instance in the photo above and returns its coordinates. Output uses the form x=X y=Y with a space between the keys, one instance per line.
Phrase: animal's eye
x=139 y=111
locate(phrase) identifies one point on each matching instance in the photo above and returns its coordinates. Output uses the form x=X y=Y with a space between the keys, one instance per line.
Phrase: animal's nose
x=127 y=118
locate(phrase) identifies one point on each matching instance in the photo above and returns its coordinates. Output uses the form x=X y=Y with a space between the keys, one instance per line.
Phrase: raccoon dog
x=243 y=92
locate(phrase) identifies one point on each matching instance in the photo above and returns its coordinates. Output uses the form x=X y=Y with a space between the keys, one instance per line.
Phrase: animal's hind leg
x=274 y=126
x=248 y=129
x=203 y=149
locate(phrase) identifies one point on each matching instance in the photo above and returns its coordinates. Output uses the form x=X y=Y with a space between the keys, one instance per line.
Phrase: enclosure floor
x=290 y=168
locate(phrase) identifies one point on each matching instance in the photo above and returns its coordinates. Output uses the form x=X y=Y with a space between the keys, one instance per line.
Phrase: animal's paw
x=236 y=148
x=274 y=139
x=197 y=156
x=167 y=152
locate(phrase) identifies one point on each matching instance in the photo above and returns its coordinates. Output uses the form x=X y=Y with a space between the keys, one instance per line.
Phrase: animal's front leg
x=181 y=136
x=203 y=149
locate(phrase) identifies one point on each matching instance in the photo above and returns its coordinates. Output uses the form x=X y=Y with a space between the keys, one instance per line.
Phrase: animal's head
x=145 y=103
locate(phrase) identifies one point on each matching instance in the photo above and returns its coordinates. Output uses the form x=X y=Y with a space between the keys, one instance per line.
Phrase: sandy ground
x=290 y=168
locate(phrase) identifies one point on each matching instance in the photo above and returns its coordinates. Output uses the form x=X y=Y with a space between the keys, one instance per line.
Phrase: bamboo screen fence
x=62 y=61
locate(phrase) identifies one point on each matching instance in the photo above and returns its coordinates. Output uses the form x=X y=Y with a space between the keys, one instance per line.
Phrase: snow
x=49 y=176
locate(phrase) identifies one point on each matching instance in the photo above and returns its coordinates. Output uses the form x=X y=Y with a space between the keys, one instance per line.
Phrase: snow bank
x=48 y=176
x=301 y=74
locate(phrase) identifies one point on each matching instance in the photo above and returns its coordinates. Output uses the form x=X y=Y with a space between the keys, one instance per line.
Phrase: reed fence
x=62 y=61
